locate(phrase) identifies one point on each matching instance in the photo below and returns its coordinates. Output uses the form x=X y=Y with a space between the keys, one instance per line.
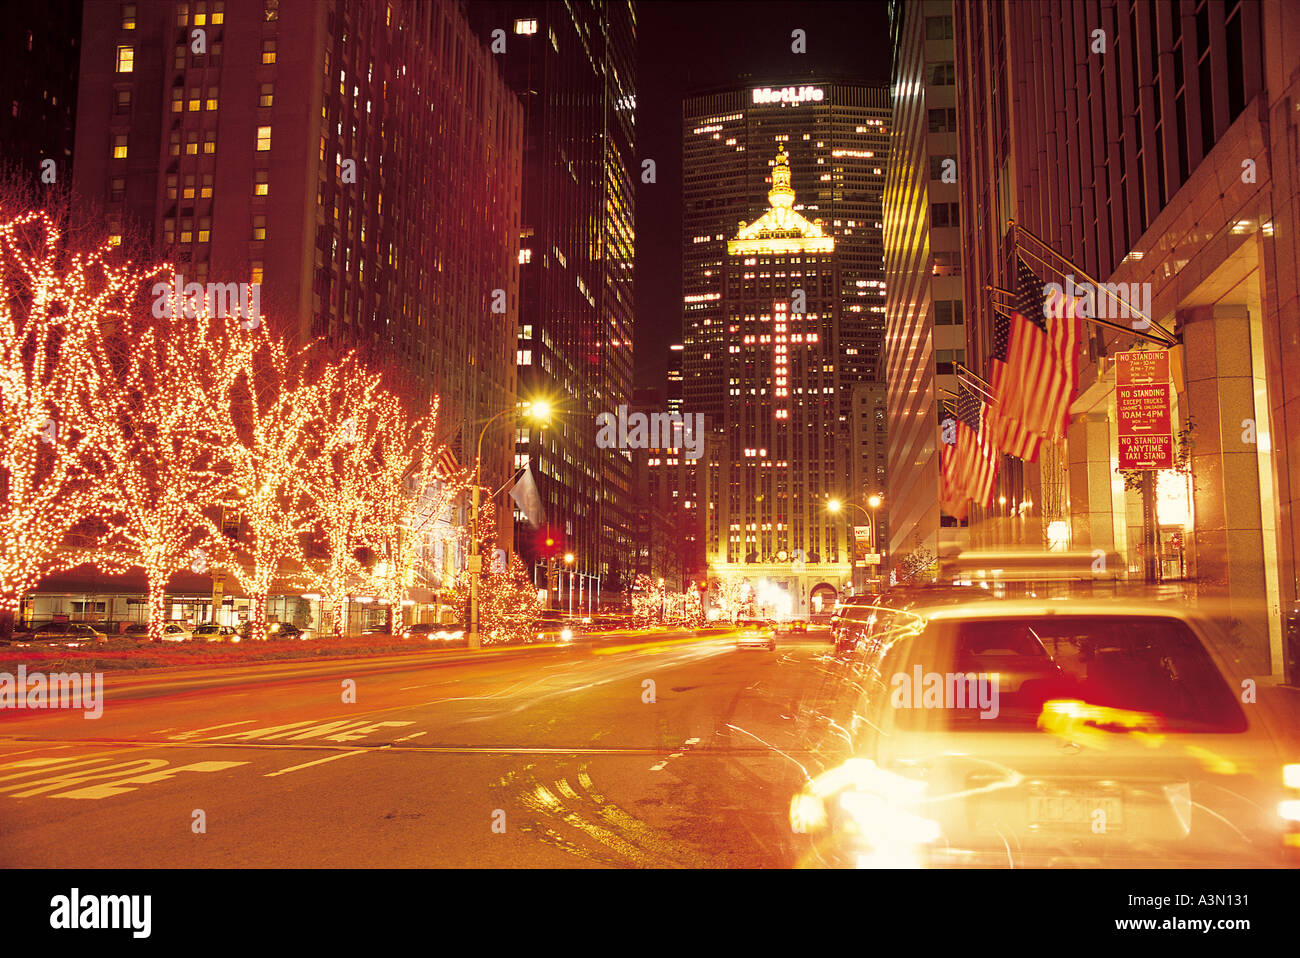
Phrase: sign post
x=1143 y=401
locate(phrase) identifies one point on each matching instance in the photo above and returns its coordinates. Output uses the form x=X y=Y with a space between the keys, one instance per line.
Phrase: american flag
x=968 y=465
x=447 y=464
x=1034 y=371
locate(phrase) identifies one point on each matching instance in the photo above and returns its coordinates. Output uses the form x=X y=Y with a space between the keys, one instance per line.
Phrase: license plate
x=1076 y=809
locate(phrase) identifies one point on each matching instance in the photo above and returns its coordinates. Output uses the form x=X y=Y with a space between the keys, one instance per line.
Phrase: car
x=756 y=634
x=215 y=633
x=434 y=632
x=798 y=625
x=1051 y=733
x=177 y=632
x=287 y=630
x=71 y=634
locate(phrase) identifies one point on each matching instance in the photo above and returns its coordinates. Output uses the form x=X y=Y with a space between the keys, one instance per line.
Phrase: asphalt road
x=547 y=758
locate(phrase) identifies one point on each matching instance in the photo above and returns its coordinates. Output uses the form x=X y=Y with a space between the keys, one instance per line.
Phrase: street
x=532 y=758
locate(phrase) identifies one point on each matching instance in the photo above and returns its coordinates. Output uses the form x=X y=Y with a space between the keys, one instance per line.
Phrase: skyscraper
x=572 y=66
x=925 y=335
x=361 y=159
x=836 y=135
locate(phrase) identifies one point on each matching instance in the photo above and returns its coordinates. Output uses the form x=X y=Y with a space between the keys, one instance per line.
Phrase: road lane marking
x=35 y=765
x=118 y=786
x=409 y=687
x=660 y=767
x=319 y=761
x=407 y=738
x=50 y=748
x=210 y=728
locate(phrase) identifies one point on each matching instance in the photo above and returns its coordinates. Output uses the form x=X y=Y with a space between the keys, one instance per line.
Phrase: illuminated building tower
x=782 y=458
x=836 y=135
x=572 y=65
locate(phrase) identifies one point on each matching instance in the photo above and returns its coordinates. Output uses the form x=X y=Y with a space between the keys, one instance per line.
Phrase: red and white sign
x=1143 y=398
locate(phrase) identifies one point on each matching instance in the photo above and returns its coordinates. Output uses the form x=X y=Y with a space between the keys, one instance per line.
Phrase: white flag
x=527 y=498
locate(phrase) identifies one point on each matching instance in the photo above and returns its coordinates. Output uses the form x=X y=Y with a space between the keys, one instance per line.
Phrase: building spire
x=781 y=196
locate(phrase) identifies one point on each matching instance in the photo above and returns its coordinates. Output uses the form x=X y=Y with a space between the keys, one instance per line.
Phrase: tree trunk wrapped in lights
x=54 y=303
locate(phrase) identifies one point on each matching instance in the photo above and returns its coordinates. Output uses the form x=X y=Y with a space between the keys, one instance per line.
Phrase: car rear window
x=1152 y=665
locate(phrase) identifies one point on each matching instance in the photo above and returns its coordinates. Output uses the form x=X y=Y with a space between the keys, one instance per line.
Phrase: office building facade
x=925 y=333
x=573 y=68
x=1151 y=144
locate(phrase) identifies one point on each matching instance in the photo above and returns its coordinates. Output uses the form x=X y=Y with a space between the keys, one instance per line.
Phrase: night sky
x=692 y=47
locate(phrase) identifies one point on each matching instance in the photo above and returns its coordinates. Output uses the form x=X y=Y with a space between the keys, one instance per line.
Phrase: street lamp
x=539 y=411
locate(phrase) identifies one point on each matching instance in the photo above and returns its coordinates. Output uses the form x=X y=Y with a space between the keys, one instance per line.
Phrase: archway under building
x=821 y=598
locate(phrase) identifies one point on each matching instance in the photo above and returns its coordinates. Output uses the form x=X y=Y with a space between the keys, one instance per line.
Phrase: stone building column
x=1228 y=533
x=1092 y=524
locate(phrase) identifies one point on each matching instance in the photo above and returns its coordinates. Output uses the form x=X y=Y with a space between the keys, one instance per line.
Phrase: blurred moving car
x=286 y=630
x=215 y=633
x=1046 y=733
x=447 y=632
x=71 y=634
x=756 y=634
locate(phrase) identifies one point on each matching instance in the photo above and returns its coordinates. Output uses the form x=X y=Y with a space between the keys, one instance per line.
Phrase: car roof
x=1008 y=608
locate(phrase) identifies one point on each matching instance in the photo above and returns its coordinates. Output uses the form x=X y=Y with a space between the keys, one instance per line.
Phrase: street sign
x=1143 y=410
x=1143 y=401
x=1141 y=367
x=871 y=558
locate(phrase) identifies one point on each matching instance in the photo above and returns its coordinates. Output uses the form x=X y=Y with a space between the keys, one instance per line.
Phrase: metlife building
x=837 y=138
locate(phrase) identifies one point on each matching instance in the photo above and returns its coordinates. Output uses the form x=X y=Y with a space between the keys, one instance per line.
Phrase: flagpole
x=1167 y=338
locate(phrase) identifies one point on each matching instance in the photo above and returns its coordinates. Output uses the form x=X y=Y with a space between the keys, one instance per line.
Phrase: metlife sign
x=790 y=94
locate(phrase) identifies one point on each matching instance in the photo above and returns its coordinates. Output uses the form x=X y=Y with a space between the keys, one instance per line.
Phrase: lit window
x=525 y=27
x=219 y=13
x=257 y=273
x=125 y=59
x=212 y=99
x=523 y=357
x=119 y=146
x=128 y=16
x=189 y=187
x=267 y=95
x=259 y=227
x=195 y=102
x=210 y=143
x=205 y=229
x=187 y=230
x=261 y=183
x=182 y=14
x=525 y=256
x=271 y=10
x=268 y=50
x=263 y=139
x=206 y=191
x=178 y=99
x=192 y=146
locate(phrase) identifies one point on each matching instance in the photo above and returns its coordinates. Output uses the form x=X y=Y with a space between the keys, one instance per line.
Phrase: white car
x=1041 y=733
x=756 y=634
x=177 y=632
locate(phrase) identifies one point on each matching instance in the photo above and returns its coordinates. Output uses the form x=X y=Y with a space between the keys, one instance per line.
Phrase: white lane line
x=659 y=767
x=319 y=761
x=407 y=738
x=27 y=750
x=213 y=728
x=675 y=755
x=692 y=741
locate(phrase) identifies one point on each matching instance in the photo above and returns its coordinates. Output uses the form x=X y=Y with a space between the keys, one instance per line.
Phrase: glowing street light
x=539 y=410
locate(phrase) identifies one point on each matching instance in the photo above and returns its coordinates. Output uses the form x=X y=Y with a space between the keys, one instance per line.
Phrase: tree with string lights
x=281 y=401
x=166 y=378
x=54 y=303
x=415 y=491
